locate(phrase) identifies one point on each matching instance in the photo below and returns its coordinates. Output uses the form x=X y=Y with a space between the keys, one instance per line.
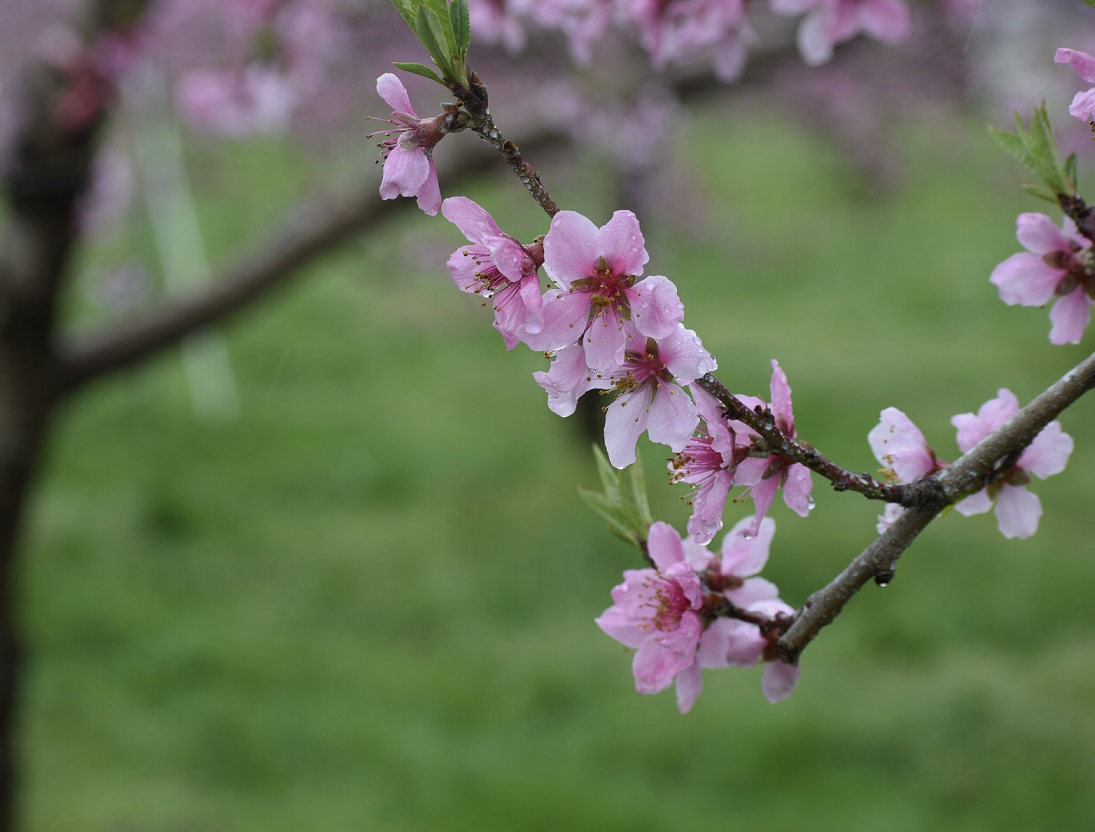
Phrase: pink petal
x=1082 y=62
x=814 y=43
x=1039 y=234
x=621 y=243
x=708 y=505
x=745 y=644
x=429 y=194
x=606 y=342
x=570 y=248
x=689 y=686
x=656 y=309
x=625 y=420
x=797 y=488
x=405 y=172
x=463 y=267
x=665 y=546
x=745 y=552
x=1070 y=316
x=754 y=591
x=673 y=417
x=885 y=20
x=781 y=399
x=1026 y=279
x=685 y=356
x=472 y=220
x=391 y=89
x=663 y=656
x=899 y=445
x=565 y=317
x=779 y=681
x=977 y=503
x=508 y=256
x=1017 y=512
x=615 y=622
x=1083 y=105
x=1049 y=452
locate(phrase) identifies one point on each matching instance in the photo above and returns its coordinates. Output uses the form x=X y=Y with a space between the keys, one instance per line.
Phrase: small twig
x=980 y=464
x=923 y=493
x=475 y=102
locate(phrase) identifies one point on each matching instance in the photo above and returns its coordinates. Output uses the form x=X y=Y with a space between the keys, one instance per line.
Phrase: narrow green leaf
x=420 y=69
x=1070 y=166
x=609 y=476
x=1090 y=2
x=635 y=481
x=461 y=26
x=602 y=507
x=1044 y=149
x=433 y=37
x=428 y=29
x=408 y=10
x=1041 y=192
x=1015 y=147
x=441 y=9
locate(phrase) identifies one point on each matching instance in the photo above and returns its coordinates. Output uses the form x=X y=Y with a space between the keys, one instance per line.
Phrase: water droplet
x=882 y=584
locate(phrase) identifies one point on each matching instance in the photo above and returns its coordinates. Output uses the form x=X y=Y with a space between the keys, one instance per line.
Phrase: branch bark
x=312 y=229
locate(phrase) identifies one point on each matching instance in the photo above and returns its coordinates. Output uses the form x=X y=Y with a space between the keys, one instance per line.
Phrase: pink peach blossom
x=1083 y=104
x=763 y=476
x=829 y=22
x=1058 y=263
x=597 y=271
x=656 y=612
x=1017 y=510
x=498 y=267
x=906 y=456
x=649 y=398
x=407 y=152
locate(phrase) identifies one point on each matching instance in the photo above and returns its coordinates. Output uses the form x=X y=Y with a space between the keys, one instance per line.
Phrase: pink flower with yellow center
x=649 y=398
x=656 y=612
x=598 y=271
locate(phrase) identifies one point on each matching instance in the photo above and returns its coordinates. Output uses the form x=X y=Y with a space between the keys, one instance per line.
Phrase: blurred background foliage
x=367 y=601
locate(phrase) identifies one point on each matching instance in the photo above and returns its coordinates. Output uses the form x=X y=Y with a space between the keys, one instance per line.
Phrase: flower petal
x=473 y=221
x=779 y=681
x=391 y=89
x=570 y=248
x=1070 y=316
x=621 y=243
x=1017 y=512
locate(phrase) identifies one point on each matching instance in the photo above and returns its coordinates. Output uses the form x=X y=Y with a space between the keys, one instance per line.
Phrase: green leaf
x=408 y=10
x=461 y=26
x=617 y=524
x=623 y=502
x=1044 y=149
x=420 y=69
x=1090 y=2
x=1070 y=164
x=1015 y=147
x=428 y=29
x=1041 y=192
x=441 y=9
x=432 y=34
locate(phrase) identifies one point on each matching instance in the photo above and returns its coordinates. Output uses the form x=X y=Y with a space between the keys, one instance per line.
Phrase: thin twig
x=970 y=473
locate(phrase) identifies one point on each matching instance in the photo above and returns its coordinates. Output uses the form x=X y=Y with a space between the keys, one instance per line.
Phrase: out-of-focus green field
x=367 y=604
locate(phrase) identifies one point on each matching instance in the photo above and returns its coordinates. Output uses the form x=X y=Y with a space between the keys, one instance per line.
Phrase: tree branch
x=310 y=230
x=970 y=473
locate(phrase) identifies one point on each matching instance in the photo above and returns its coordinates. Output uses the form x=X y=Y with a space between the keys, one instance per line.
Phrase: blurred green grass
x=367 y=603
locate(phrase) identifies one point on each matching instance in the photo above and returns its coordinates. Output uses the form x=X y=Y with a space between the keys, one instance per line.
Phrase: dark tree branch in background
x=981 y=465
x=312 y=229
